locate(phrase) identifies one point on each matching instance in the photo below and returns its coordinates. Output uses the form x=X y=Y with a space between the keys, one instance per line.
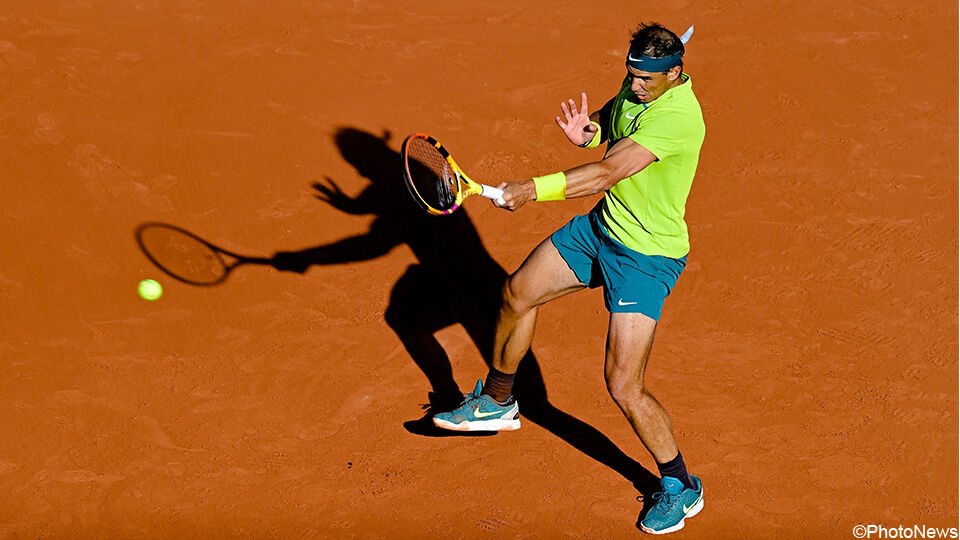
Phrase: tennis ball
x=149 y=289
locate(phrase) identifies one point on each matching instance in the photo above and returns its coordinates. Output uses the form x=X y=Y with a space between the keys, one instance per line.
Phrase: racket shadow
x=190 y=259
x=449 y=253
x=186 y=257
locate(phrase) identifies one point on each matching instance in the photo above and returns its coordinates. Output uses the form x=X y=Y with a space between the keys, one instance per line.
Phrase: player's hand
x=516 y=194
x=576 y=123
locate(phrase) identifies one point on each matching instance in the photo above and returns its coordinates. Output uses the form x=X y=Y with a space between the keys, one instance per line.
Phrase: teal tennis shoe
x=480 y=412
x=674 y=504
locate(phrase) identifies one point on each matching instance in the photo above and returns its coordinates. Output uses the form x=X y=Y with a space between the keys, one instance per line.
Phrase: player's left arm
x=624 y=159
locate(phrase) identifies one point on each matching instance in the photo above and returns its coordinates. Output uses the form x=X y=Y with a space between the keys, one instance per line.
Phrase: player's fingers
x=562 y=124
x=566 y=110
x=573 y=107
x=503 y=202
x=583 y=103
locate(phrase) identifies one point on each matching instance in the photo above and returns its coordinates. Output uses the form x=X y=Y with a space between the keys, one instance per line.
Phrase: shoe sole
x=693 y=511
x=479 y=425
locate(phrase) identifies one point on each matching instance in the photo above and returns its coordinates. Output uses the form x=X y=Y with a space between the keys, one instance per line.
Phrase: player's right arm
x=625 y=159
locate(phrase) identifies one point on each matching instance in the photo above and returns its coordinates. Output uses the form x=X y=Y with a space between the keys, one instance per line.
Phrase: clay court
x=808 y=354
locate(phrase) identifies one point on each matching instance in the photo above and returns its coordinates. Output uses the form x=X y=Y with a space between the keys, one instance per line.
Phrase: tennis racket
x=434 y=179
x=186 y=257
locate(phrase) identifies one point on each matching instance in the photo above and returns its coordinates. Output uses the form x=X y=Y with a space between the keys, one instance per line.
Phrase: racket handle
x=492 y=193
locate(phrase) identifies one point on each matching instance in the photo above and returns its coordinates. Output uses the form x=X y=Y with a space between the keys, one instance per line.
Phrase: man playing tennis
x=633 y=243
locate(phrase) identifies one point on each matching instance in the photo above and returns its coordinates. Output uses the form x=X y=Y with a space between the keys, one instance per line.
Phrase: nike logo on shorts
x=622 y=303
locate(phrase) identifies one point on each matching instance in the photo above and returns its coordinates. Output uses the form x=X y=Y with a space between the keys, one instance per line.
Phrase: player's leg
x=629 y=341
x=542 y=277
x=635 y=288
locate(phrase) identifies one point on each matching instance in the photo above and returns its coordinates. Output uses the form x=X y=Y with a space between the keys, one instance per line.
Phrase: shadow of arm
x=358 y=248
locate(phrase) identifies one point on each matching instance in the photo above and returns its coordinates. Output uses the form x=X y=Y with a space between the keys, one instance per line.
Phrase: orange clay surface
x=808 y=354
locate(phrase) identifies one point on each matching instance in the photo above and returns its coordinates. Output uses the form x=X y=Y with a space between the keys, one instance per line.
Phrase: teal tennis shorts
x=632 y=282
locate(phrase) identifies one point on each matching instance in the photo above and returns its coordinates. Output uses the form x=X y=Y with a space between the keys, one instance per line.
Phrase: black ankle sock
x=677 y=469
x=499 y=385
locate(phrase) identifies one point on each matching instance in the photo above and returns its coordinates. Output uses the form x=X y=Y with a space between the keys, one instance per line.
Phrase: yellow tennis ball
x=149 y=289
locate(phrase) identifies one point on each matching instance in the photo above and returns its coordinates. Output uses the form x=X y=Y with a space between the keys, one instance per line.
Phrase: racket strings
x=182 y=256
x=431 y=175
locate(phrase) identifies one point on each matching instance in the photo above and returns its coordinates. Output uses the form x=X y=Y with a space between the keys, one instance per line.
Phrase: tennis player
x=633 y=243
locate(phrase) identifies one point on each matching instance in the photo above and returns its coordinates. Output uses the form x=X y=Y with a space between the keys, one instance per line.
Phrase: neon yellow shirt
x=645 y=211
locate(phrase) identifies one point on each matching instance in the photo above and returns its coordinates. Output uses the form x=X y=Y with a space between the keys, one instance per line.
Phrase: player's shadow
x=455 y=281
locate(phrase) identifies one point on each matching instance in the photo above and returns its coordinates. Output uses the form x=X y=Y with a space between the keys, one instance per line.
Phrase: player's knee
x=513 y=298
x=624 y=387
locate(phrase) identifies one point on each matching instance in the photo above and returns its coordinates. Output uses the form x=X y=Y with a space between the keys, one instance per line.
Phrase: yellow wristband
x=551 y=187
x=595 y=142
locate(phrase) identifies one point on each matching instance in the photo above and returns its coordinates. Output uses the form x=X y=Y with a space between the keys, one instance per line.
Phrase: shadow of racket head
x=186 y=257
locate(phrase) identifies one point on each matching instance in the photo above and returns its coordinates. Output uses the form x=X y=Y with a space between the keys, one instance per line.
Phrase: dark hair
x=655 y=41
